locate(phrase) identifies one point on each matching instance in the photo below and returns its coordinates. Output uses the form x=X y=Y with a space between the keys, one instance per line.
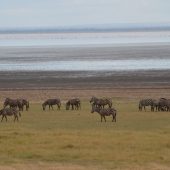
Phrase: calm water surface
x=77 y=39
x=100 y=65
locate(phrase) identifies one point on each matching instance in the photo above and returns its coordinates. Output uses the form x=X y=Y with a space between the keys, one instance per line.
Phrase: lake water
x=15 y=60
x=103 y=65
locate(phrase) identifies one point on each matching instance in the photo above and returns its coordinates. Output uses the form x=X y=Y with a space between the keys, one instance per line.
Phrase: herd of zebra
x=98 y=105
x=103 y=106
x=161 y=104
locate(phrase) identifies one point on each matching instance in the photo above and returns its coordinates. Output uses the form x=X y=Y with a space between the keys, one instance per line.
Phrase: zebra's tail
x=140 y=106
x=115 y=115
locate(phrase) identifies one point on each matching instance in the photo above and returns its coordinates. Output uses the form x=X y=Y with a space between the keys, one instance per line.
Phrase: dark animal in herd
x=105 y=112
x=16 y=103
x=164 y=104
x=159 y=105
x=101 y=102
x=74 y=103
x=9 y=112
x=51 y=103
x=143 y=103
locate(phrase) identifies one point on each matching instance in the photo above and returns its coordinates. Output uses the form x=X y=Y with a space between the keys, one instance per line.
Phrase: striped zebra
x=74 y=103
x=155 y=105
x=145 y=102
x=101 y=102
x=9 y=112
x=105 y=112
x=164 y=104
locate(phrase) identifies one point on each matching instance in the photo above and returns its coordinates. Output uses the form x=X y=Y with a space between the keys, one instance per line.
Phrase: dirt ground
x=38 y=86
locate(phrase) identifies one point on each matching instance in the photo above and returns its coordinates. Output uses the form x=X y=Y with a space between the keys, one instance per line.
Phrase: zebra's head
x=93 y=99
x=95 y=109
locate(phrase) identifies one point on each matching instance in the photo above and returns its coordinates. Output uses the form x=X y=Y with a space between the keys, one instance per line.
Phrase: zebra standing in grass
x=100 y=102
x=155 y=105
x=145 y=102
x=13 y=103
x=105 y=112
x=25 y=103
x=164 y=104
x=9 y=112
x=51 y=102
x=74 y=103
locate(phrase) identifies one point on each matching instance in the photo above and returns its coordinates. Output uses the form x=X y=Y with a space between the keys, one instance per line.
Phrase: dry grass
x=78 y=140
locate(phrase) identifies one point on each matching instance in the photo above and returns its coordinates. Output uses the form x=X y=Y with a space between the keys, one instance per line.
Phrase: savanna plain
x=62 y=139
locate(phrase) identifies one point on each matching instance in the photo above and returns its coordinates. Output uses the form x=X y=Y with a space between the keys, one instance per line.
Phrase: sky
x=68 y=13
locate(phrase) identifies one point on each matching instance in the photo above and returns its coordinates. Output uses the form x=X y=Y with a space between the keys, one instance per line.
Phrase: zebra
x=164 y=104
x=105 y=112
x=25 y=103
x=74 y=103
x=100 y=102
x=51 y=102
x=155 y=105
x=145 y=102
x=13 y=103
x=9 y=112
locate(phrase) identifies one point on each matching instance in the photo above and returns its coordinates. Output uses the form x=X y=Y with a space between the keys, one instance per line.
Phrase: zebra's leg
x=104 y=118
x=52 y=107
x=2 y=118
x=114 y=118
x=101 y=118
x=14 y=118
x=152 y=108
x=17 y=117
x=6 y=118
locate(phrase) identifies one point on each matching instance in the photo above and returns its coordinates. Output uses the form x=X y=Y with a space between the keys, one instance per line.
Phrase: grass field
x=78 y=140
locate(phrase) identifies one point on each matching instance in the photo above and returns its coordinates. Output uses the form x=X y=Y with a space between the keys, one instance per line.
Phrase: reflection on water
x=78 y=65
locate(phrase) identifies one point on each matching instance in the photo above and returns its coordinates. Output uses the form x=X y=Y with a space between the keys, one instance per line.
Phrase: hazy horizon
x=91 y=28
x=79 y=13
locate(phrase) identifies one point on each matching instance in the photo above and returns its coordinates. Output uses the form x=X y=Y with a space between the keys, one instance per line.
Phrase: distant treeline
x=81 y=30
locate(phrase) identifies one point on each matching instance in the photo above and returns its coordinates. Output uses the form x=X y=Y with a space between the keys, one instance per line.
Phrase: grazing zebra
x=100 y=102
x=155 y=105
x=74 y=103
x=13 y=103
x=51 y=102
x=164 y=104
x=25 y=103
x=105 y=112
x=9 y=112
x=145 y=102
